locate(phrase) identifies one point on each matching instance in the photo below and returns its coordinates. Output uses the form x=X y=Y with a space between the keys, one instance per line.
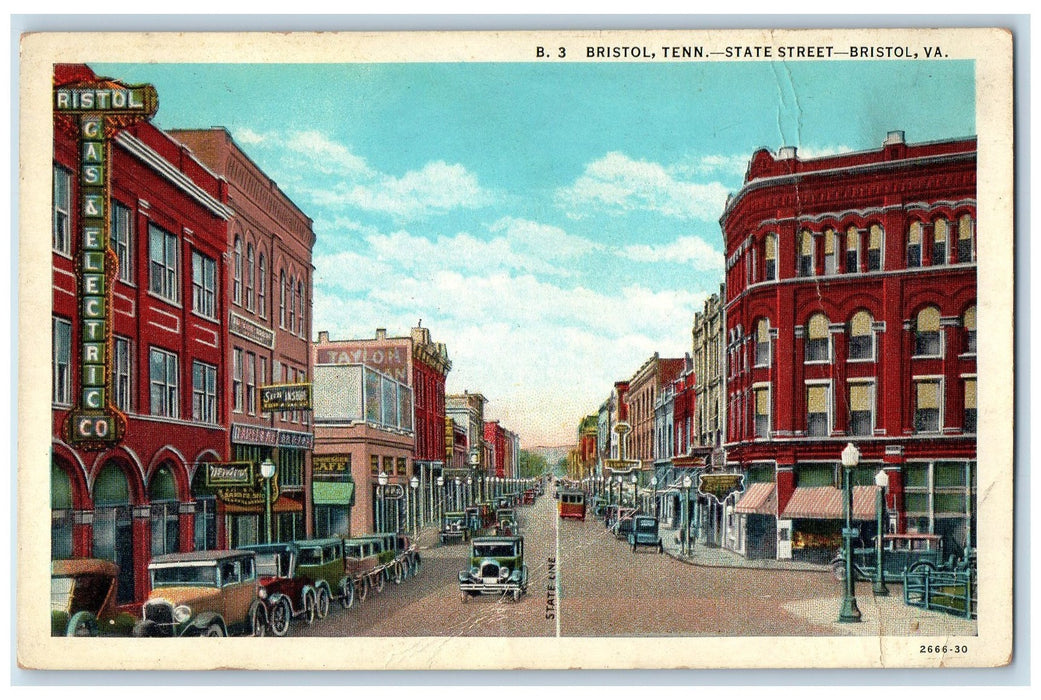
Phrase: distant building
x=851 y=317
x=643 y=390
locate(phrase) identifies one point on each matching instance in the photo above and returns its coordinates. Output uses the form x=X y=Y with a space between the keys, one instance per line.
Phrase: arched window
x=831 y=256
x=818 y=345
x=237 y=287
x=914 y=245
x=282 y=299
x=861 y=339
x=927 y=333
x=770 y=256
x=301 y=328
x=762 y=343
x=966 y=239
x=969 y=327
x=250 y=272
x=292 y=305
x=876 y=238
x=262 y=287
x=852 y=250
x=940 y=234
x=162 y=492
x=806 y=261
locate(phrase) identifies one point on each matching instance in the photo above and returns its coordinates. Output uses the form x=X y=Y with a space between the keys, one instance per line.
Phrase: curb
x=691 y=561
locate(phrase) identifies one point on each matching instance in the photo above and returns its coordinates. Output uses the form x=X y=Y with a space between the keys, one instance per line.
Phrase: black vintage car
x=454 y=527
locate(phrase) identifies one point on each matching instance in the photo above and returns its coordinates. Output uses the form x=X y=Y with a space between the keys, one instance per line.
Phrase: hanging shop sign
x=97 y=110
x=721 y=485
x=621 y=466
x=393 y=492
x=285 y=397
x=238 y=483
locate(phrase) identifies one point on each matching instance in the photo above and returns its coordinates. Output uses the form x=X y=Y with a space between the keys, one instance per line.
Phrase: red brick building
x=160 y=339
x=268 y=249
x=641 y=395
x=851 y=317
x=505 y=449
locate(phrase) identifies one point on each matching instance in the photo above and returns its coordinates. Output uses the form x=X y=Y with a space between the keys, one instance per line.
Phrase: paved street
x=601 y=589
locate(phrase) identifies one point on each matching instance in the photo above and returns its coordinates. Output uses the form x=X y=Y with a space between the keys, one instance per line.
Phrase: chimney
x=893 y=138
x=381 y=334
x=786 y=153
x=323 y=336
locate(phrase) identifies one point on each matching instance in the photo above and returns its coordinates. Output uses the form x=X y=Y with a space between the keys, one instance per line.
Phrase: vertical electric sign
x=97 y=111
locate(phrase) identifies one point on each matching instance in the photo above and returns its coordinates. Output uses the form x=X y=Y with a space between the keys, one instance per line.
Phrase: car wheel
x=323 y=602
x=516 y=595
x=660 y=548
x=82 y=624
x=280 y=616
x=213 y=630
x=310 y=608
x=257 y=623
x=347 y=594
x=145 y=628
x=838 y=570
x=363 y=589
x=417 y=565
x=922 y=566
x=379 y=582
x=396 y=573
x=464 y=596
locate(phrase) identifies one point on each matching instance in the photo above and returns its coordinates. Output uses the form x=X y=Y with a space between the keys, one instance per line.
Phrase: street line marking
x=560 y=606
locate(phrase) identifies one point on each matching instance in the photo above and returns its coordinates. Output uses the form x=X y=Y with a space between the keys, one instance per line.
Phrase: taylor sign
x=97 y=110
x=721 y=485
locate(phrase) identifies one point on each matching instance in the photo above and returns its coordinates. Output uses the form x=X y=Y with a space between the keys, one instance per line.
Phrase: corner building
x=165 y=305
x=851 y=317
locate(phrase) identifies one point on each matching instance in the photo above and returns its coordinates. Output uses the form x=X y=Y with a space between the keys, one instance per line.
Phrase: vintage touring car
x=496 y=566
x=203 y=594
x=645 y=533
x=322 y=560
x=454 y=527
x=900 y=552
x=366 y=563
x=289 y=591
x=83 y=599
x=506 y=522
x=406 y=561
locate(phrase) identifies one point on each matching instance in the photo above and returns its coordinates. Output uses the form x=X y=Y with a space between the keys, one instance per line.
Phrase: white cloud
x=327 y=156
x=249 y=137
x=685 y=250
x=616 y=183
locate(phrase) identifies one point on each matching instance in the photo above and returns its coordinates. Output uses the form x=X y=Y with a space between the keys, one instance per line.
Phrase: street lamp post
x=850 y=458
x=687 y=482
x=381 y=512
x=469 y=490
x=879 y=587
x=440 y=497
x=267 y=470
x=414 y=483
x=654 y=494
x=618 y=480
x=634 y=479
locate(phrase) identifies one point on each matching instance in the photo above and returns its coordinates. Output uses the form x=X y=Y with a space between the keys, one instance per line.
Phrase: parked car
x=900 y=551
x=506 y=521
x=288 y=591
x=599 y=506
x=496 y=566
x=623 y=524
x=203 y=594
x=406 y=556
x=322 y=561
x=83 y=599
x=361 y=556
x=645 y=533
x=454 y=527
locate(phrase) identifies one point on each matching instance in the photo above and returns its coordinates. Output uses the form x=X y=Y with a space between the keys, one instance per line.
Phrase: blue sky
x=553 y=224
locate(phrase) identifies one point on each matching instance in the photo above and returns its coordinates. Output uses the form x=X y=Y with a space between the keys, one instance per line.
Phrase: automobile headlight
x=262 y=593
x=182 y=613
x=504 y=573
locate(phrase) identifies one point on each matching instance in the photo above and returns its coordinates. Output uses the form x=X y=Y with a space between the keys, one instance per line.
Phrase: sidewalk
x=705 y=555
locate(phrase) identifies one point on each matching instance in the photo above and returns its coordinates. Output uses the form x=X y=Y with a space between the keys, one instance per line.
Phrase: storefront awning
x=333 y=493
x=825 y=503
x=283 y=504
x=758 y=499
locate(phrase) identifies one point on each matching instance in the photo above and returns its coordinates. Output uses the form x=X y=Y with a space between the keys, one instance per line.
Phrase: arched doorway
x=113 y=531
x=165 y=522
x=62 y=537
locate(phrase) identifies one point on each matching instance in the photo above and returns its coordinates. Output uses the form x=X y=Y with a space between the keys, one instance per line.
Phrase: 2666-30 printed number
x=943 y=649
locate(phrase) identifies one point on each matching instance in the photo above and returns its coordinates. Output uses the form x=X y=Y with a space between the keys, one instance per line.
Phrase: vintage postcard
x=516 y=350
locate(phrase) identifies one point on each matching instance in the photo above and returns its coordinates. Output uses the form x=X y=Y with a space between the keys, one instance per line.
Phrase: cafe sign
x=721 y=485
x=96 y=111
x=238 y=483
x=285 y=397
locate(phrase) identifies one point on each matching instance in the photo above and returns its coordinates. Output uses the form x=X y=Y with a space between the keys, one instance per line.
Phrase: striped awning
x=758 y=499
x=825 y=503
